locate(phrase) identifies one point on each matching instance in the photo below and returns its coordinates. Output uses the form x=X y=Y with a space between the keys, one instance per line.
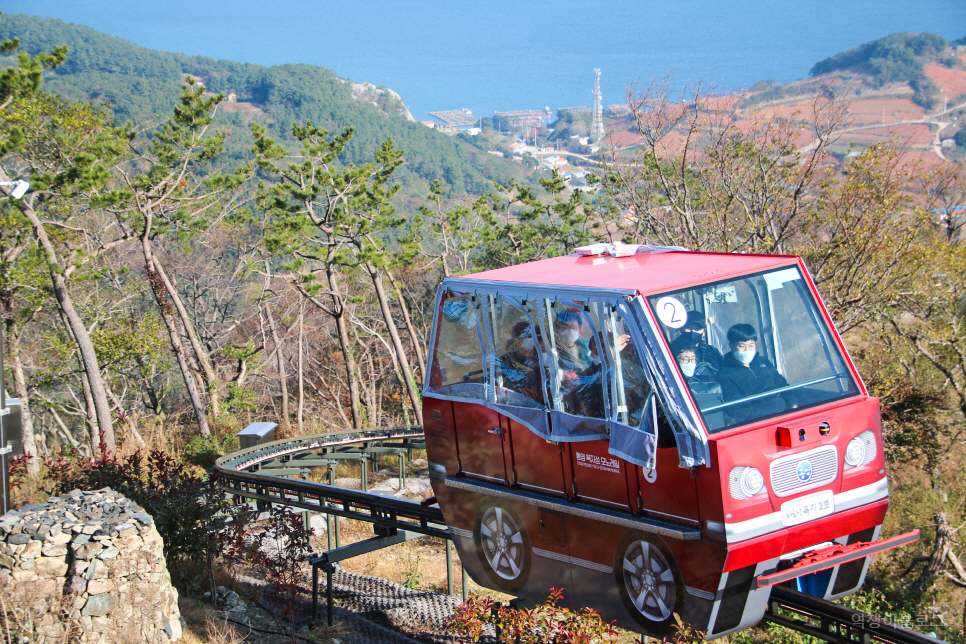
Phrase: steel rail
x=835 y=623
x=233 y=476
x=238 y=474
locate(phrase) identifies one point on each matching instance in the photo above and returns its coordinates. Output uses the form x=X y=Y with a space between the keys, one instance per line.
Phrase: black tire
x=502 y=544
x=649 y=581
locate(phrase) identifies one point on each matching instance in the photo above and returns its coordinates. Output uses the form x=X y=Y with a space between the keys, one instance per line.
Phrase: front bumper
x=766 y=538
x=834 y=555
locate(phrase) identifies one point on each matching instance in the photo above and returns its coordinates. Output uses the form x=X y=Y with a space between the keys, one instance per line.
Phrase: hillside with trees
x=896 y=58
x=139 y=84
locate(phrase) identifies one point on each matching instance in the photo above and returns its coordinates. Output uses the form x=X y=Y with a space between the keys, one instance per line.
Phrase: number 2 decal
x=671 y=312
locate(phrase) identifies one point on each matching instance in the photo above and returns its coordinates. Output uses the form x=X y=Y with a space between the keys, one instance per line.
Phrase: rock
x=50 y=567
x=109 y=554
x=76 y=585
x=88 y=550
x=52 y=550
x=105 y=555
x=98 y=586
x=97 y=570
x=172 y=627
x=51 y=632
x=101 y=624
x=32 y=550
x=97 y=606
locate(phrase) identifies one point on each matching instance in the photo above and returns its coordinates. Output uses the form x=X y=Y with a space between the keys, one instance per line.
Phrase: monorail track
x=261 y=474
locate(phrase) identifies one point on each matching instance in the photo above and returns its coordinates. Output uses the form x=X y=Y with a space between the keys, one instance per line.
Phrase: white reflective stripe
x=583 y=563
x=758 y=526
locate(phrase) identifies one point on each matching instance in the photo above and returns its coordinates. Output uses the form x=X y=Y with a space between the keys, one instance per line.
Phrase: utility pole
x=597 y=127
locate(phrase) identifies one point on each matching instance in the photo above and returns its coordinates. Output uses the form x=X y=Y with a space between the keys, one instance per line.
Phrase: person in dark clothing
x=579 y=367
x=699 y=376
x=695 y=333
x=746 y=373
x=519 y=365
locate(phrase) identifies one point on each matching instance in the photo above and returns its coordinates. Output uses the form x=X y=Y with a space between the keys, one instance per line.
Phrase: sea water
x=515 y=54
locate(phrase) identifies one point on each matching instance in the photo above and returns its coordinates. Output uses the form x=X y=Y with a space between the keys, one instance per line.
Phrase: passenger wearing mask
x=579 y=368
x=699 y=376
x=695 y=333
x=520 y=365
x=744 y=372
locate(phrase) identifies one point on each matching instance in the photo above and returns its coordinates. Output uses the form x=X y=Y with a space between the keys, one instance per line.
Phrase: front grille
x=785 y=472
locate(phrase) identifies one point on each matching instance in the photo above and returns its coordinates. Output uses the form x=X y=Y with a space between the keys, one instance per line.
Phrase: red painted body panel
x=758 y=446
x=537 y=464
x=673 y=493
x=651 y=273
x=440 y=430
x=795 y=538
x=599 y=476
x=481 y=449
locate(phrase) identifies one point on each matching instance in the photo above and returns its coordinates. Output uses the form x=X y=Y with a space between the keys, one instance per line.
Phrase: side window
x=515 y=355
x=457 y=362
x=629 y=389
x=654 y=413
x=579 y=382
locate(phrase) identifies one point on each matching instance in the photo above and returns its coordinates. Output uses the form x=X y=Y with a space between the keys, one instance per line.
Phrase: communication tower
x=597 y=127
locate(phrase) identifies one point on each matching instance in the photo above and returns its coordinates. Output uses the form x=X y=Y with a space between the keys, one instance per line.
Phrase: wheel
x=649 y=581
x=503 y=545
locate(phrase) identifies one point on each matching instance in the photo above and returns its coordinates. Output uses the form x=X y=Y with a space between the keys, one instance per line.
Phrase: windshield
x=753 y=347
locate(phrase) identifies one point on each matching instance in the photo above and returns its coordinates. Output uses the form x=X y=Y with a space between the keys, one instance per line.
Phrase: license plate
x=807 y=508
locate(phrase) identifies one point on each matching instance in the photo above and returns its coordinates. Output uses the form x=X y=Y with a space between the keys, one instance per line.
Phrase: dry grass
x=37 y=611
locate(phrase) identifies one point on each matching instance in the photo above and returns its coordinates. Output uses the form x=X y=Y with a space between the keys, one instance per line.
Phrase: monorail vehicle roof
x=646 y=273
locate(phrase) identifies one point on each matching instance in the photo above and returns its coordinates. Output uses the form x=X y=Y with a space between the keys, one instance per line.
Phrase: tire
x=649 y=581
x=503 y=545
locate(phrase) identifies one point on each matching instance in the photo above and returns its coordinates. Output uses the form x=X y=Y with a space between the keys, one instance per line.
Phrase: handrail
x=780 y=390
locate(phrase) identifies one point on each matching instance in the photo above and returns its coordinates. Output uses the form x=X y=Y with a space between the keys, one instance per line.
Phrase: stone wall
x=94 y=563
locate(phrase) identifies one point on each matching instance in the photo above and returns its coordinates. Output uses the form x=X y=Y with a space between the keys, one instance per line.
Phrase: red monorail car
x=655 y=431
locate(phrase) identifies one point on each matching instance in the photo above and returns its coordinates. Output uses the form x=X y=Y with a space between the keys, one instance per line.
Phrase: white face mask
x=527 y=343
x=688 y=368
x=570 y=336
x=745 y=357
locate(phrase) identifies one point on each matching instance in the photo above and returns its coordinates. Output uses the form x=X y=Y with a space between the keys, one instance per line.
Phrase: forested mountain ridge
x=140 y=84
x=896 y=58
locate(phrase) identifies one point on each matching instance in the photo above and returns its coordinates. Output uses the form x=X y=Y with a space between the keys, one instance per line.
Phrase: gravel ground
x=367 y=610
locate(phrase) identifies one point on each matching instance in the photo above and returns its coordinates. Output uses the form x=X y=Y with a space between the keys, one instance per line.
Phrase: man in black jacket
x=695 y=333
x=745 y=373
